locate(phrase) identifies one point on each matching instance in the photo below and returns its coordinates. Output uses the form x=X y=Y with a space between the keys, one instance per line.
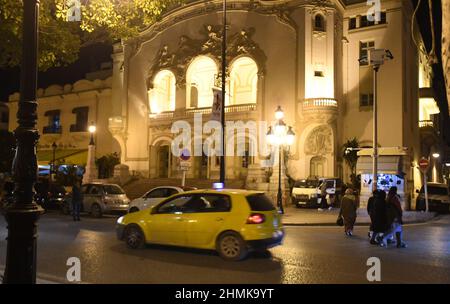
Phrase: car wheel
x=232 y=247
x=133 y=209
x=134 y=237
x=96 y=211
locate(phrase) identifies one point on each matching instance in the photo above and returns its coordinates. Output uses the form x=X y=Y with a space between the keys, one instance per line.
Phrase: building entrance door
x=163 y=161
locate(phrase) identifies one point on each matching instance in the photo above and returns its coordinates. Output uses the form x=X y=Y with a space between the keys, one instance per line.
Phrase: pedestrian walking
x=348 y=209
x=378 y=217
x=394 y=219
x=370 y=212
x=323 y=196
x=77 y=200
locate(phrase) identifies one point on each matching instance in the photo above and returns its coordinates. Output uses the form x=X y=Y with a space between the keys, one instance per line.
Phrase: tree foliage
x=60 y=40
x=351 y=158
x=106 y=163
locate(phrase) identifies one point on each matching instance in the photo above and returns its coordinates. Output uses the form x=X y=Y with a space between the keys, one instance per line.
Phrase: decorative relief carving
x=319 y=141
x=240 y=43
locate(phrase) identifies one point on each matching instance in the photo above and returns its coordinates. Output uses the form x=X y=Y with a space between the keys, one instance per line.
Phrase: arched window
x=162 y=95
x=319 y=23
x=200 y=77
x=194 y=96
x=243 y=81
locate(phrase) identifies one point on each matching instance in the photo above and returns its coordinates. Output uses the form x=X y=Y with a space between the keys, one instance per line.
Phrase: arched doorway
x=163 y=155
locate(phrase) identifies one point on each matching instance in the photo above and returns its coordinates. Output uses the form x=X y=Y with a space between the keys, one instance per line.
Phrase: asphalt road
x=308 y=255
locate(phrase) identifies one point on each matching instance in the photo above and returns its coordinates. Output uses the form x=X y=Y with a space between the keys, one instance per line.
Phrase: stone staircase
x=139 y=187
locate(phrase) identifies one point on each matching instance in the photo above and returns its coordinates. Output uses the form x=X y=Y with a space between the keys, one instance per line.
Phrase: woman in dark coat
x=349 y=206
x=378 y=216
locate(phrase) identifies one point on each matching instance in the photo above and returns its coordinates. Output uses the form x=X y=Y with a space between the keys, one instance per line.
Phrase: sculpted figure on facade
x=319 y=141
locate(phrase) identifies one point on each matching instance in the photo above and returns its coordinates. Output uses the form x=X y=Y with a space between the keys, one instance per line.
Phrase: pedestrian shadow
x=256 y=262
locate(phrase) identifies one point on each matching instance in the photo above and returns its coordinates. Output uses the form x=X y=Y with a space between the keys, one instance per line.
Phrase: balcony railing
x=320 y=103
x=240 y=108
x=426 y=124
x=52 y=130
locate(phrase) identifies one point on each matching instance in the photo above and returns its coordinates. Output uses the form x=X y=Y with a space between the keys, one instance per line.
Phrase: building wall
x=93 y=94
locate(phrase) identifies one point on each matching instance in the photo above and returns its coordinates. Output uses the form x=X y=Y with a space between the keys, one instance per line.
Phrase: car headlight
x=314 y=195
x=120 y=220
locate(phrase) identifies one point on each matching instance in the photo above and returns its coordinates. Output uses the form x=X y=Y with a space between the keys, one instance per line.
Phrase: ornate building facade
x=302 y=55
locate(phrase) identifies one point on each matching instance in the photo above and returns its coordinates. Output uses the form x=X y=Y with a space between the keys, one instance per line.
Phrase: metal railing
x=426 y=124
x=240 y=108
x=320 y=103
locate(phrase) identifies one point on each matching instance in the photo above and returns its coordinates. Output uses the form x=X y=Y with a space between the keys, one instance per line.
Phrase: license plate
x=275 y=222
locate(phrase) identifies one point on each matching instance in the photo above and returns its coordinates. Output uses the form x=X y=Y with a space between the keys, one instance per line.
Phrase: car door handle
x=179 y=219
x=219 y=219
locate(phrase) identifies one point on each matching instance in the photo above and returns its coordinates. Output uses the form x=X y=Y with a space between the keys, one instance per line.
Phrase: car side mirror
x=417 y=191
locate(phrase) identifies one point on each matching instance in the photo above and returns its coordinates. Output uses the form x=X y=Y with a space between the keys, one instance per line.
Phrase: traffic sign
x=423 y=164
x=185 y=155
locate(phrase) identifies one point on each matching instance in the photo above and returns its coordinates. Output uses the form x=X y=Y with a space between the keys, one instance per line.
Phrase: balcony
x=321 y=109
x=233 y=112
x=426 y=124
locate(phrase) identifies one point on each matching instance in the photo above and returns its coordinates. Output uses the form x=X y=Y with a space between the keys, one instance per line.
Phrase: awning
x=386 y=164
x=65 y=156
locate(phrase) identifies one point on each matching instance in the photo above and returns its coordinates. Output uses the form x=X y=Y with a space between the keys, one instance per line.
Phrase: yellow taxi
x=233 y=222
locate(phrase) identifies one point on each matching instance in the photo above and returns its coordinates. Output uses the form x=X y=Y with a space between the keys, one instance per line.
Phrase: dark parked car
x=49 y=195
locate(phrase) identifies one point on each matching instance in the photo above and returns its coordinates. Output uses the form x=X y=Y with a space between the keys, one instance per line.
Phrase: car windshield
x=437 y=190
x=113 y=189
x=309 y=183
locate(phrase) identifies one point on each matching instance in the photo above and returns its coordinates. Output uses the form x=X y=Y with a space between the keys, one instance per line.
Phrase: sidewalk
x=39 y=280
x=312 y=217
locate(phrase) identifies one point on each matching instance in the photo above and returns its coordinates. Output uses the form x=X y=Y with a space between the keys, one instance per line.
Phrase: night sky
x=90 y=59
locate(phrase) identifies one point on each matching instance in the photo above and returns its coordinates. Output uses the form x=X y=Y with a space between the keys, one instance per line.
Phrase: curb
x=40 y=278
x=329 y=224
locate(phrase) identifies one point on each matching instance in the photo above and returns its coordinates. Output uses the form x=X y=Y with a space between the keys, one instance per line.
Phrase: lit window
x=243 y=81
x=200 y=77
x=162 y=95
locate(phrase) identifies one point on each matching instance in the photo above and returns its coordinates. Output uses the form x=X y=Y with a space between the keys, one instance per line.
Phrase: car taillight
x=256 y=218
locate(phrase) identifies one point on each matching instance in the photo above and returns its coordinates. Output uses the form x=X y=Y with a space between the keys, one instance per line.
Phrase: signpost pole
x=425 y=187
x=183 y=179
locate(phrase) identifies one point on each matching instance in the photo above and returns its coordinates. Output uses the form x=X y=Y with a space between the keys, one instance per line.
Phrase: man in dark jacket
x=378 y=215
x=77 y=200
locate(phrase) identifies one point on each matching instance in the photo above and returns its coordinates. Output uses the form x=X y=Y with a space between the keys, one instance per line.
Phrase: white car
x=155 y=196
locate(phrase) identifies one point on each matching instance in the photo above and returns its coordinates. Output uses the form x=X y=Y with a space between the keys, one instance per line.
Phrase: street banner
x=216 y=112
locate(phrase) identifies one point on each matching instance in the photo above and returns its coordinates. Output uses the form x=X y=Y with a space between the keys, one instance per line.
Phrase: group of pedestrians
x=385 y=213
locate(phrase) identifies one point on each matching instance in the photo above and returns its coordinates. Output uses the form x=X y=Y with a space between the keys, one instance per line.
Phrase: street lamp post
x=280 y=135
x=435 y=157
x=23 y=214
x=222 y=112
x=52 y=170
x=376 y=58
x=90 y=172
